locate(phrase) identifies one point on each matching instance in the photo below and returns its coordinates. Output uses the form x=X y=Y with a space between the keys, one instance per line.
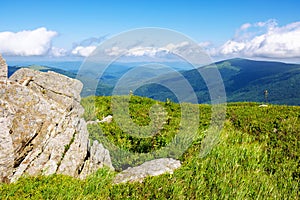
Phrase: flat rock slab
x=151 y=168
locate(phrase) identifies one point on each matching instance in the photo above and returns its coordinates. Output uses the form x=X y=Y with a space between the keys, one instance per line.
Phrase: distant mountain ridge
x=244 y=80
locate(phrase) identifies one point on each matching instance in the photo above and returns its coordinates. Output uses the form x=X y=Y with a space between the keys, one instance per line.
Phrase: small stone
x=263 y=105
x=107 y=119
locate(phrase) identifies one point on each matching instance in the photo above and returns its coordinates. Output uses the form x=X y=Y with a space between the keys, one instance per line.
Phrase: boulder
x=150 y=168
x=41 y=128
x=42 y=131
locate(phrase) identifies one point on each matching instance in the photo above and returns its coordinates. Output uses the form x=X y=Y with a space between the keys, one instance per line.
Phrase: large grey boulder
x=41 y=128
x=151 y=168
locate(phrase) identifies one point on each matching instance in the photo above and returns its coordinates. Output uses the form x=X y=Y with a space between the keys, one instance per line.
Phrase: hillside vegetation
x=257 y=156
x=244 y=81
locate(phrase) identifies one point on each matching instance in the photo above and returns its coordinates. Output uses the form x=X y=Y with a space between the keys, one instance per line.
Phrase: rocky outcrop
x=3 y=69
x=150 y=168
x=41 y=129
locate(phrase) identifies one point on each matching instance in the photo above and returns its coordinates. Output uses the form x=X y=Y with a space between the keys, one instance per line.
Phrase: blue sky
x=65 y=24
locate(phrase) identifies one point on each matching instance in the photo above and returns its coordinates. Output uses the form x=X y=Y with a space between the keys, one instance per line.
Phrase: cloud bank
x=137 y=51
x=264 y=40
x=83 y=51
x=27 y=43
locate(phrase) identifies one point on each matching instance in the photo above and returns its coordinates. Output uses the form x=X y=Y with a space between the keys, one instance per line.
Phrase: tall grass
x=257 y=157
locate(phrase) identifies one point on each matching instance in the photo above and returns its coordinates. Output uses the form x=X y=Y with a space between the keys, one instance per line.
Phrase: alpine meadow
x=129 y=99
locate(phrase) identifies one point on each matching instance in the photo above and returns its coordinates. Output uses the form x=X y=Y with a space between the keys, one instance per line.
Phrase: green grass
x=257 y=156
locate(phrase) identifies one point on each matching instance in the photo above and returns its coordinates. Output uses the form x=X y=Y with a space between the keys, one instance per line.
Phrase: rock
x=99 y=156
x=3 y=69
x=6 y=146
x=92 y=122
x=41 y=128
x=150 y=168
x=107 y=119
x=55 y=85
x=263 y=105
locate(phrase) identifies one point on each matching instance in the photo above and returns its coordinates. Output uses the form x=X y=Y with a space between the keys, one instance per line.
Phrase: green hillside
x=244 y=80
x=256 y=157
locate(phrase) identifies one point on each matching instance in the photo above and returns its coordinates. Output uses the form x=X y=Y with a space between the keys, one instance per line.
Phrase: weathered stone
x=75 y=156
x=150 y=168
x=99 y=156
x=41 y=129
x=3 y=69
x=56 y=83
x=107 y=119
x=6 y=147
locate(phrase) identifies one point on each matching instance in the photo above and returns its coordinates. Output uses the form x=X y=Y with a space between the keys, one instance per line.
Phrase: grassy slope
x=257 y=157
x=244 y=80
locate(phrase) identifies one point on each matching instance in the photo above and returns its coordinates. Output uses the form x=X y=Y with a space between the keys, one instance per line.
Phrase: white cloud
x=136 y=51
x=274 y=42
x=83 y=51
x=205 y=45
x=147 y=51
x=245 y=26
x=270 y=24
x=26 y=43
x=115 y=51
x=58 y=52
x=175 y=47
x=85 y=47
x=144 y=51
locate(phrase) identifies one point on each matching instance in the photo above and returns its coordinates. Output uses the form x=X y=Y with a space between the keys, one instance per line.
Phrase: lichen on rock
x=41 y=126
x=3 y=69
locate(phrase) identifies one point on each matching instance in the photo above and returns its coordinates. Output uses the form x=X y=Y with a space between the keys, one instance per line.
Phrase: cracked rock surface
x=41 y=128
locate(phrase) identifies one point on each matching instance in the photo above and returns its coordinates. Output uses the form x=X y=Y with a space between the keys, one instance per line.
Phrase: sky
x=257 y=29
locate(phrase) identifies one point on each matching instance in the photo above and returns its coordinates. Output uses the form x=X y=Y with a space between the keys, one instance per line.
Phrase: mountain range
x=244 y=80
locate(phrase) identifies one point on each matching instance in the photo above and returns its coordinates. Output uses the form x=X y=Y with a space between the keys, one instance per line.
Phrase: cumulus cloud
x=92 y=41
x=115 y=51
x=83 y=51
x=58 y=52
x=137 y=51
x=144 y=51
x=266 y=40
x=27 y=43
x=85 y=47
x=205 y=45
x=245 y=26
